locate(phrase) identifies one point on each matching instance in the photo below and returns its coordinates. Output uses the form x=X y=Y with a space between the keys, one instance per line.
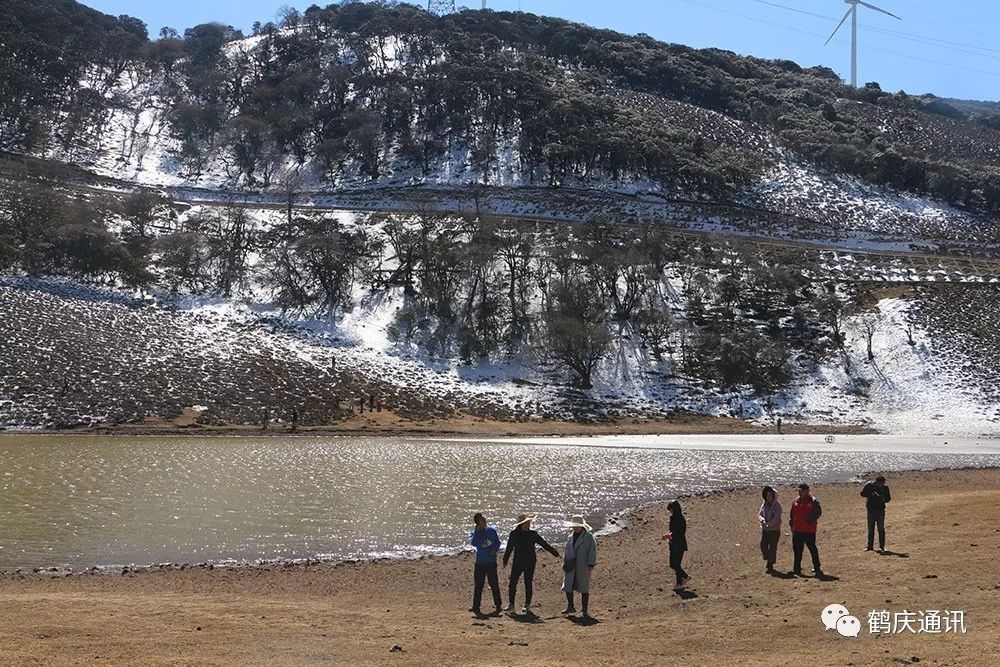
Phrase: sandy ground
x=388 y=423
x=943 y=534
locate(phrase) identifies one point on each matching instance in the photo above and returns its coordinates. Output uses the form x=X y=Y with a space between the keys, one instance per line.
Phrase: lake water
x=84 y=501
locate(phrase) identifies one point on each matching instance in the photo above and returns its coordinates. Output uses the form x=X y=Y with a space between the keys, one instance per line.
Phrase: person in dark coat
x=877 y=494
x=677 y=538
x=521 y=545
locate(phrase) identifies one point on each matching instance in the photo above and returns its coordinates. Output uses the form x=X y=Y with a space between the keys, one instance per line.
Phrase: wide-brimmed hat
x=524 y=518
x=577 y=520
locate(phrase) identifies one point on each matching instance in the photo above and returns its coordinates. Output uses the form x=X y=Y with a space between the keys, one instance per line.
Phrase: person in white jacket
x=579 y=559
x=770 y=526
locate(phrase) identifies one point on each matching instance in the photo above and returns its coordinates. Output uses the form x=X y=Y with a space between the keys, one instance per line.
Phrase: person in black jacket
x=678 y=543
x=521 y=544
x=877 y=494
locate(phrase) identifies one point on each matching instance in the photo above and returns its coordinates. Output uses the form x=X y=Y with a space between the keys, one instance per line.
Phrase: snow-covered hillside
x=73 y=355
x=137 y=143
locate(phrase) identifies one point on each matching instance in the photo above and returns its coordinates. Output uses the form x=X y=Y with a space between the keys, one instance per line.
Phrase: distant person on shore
x=779 y=425
x=877 y=494
x=677 y=539
x=579 y=560
x=521 y=545
x=487 y=543
x=295 y=419
x=804 y=519
x=769 y=517
x=371 y=403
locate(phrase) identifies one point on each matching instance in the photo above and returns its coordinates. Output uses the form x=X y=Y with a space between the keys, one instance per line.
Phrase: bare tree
x=291 y=184
x=833 y=310
x=576 y=334
x=870 y=325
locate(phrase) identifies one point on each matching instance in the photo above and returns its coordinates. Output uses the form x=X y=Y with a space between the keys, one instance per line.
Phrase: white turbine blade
x=879 y=9
x=834 y=33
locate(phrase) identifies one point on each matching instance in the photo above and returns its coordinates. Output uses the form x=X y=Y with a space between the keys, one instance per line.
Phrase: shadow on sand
x=530 y=617
x=582 y=620
x=897 y=554
x=781 y=575
x=685 y=594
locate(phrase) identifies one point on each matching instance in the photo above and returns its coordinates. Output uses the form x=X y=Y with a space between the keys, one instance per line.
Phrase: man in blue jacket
x=487 y=543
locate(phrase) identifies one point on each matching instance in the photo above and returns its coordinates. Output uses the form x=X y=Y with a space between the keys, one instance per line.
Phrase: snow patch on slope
x=906 y=390
x=846 y=203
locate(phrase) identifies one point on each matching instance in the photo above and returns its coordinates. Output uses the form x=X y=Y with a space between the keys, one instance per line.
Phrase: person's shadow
x=897 y=554
x=582 y=620
x=827 y=577
x=686 y=594
x=530 y=617
x=781 y=575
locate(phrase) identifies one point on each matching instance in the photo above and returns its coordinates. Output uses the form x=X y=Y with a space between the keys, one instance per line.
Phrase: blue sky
x=947 y=48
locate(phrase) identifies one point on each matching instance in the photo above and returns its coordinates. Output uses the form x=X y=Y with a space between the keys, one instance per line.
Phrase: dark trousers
x=769 y=545
x=528 y=571
x=483 y=573
x=676 y=556
x=800 y=540
x=876 y=518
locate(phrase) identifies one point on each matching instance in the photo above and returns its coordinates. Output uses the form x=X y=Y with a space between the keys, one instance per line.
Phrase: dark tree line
x=323 y=88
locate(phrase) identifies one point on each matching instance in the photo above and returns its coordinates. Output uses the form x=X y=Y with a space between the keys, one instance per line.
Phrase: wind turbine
x=852 y=12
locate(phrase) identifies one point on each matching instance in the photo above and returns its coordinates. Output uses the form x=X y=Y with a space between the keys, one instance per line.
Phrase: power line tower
x=441 y=6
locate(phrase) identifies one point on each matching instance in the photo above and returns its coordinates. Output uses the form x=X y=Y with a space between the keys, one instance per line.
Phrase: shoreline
x=387 y=423
x=942 y=541
x=613 y=524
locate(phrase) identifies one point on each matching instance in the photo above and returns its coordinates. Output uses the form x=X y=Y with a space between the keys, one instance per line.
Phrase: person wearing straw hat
x=579 y=559
x=521 y=545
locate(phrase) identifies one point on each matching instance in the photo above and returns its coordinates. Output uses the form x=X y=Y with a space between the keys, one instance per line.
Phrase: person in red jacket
x=803 y=519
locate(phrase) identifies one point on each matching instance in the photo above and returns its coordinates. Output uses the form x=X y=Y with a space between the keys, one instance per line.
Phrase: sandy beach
x=943 y=542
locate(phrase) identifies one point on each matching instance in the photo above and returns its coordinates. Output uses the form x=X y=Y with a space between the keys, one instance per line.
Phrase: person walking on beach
x=770 y=526
x=804 y=519
x=877 y=494
x=521 y=544
x=579 y=559
x=487 y=543
x=677 y=539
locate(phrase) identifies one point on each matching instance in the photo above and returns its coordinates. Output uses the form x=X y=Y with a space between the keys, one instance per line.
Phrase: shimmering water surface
x=85 y=501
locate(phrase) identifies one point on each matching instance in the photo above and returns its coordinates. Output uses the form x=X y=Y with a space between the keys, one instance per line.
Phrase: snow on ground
x=846 y=203
x=906 y=390
x=86 y=355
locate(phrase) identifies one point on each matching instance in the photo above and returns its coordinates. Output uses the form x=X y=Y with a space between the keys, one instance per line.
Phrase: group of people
x=579 y=559
x=580 y=554
x=803 y=519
